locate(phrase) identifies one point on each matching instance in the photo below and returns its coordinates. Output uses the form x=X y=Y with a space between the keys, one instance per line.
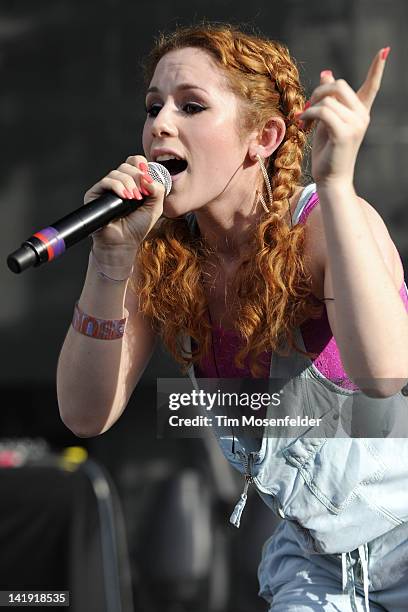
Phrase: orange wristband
x=104 y=329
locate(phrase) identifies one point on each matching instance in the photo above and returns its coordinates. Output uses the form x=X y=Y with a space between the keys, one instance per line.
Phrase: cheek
x=216 y=146
x=145 y=140
x=221 y=153
x=224 y=141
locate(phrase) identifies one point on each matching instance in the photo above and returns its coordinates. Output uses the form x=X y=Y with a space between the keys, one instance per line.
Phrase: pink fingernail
x=137 y=194
x=144 y=191
x=128 y=195
x=326 y=73
x=143 y=167
x=385 y=52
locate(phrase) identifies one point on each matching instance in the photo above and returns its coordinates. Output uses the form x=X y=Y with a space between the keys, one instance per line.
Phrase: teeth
x=166 y=157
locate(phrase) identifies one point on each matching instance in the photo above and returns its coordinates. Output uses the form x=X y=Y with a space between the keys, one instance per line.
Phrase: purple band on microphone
x=53 y=242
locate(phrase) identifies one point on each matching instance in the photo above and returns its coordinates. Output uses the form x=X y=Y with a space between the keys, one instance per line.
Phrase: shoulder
x=316 y=245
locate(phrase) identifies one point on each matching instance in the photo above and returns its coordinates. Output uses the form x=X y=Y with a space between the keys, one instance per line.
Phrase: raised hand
x=342 y=116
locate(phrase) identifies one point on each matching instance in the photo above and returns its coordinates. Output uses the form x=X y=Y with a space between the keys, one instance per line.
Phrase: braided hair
x=272 y=285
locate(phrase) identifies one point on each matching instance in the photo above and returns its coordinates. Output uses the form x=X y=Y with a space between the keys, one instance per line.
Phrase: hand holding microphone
x=119 y=212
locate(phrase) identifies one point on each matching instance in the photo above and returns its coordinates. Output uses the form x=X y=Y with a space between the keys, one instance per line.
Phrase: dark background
x=71 y=109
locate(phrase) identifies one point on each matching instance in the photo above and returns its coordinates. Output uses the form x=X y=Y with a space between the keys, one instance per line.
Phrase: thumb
x=326 y=76
x=156 y=190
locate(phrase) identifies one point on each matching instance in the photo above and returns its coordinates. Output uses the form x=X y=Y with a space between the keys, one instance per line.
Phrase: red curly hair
x=272 y=285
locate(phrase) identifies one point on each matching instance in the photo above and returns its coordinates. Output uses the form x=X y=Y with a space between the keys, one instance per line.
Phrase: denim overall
x=344 y=500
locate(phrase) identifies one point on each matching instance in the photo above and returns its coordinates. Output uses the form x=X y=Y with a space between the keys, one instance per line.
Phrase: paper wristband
x=104 y=329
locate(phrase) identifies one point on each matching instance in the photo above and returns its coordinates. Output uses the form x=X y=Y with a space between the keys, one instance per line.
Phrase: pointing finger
x=371 y=85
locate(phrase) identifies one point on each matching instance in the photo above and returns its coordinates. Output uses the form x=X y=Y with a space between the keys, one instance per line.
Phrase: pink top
x=316 y=333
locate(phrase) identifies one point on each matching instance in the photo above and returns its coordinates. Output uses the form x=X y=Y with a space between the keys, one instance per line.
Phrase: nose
x=164 y=123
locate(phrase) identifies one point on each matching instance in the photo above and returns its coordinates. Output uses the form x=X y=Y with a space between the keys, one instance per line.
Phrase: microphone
x=51 y=242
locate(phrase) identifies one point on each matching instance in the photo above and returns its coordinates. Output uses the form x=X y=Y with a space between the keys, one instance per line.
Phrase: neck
x=229 y=235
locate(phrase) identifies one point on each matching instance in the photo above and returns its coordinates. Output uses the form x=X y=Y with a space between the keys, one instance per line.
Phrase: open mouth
x=174 y=166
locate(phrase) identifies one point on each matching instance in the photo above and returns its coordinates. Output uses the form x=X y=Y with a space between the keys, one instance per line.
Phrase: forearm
x=89 y=371
x=371 y=321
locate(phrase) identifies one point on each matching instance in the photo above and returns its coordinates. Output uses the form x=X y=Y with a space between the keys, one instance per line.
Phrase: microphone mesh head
x=158 y=172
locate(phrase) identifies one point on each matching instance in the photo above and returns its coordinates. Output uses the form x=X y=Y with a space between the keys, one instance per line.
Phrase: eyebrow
x=182 y=86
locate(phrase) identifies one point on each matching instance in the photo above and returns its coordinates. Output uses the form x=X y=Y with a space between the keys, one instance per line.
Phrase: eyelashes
x=154 y=109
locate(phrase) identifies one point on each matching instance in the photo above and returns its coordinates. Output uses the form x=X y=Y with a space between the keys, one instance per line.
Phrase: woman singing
x=248 y=270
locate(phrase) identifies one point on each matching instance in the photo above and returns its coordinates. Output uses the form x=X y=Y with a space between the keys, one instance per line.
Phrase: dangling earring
x=267 y=183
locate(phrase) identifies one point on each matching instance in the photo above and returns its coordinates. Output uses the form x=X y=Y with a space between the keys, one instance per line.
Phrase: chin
x=172 y=216
x=173 y=211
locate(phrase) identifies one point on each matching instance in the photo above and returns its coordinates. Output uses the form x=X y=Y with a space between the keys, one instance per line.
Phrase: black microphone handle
x=52 y=241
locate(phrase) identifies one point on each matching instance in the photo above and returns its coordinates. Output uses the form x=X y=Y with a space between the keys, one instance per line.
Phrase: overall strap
x=306 y=203
x=296 y=363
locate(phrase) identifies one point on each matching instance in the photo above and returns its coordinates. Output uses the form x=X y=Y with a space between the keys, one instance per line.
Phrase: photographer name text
x=242 y=421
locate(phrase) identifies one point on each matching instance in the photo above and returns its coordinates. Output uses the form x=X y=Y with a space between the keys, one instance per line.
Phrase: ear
x=266 y=141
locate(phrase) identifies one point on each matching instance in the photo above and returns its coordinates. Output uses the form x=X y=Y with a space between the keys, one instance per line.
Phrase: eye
x=152 y=110
x=195 y=108
x=190 y=108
